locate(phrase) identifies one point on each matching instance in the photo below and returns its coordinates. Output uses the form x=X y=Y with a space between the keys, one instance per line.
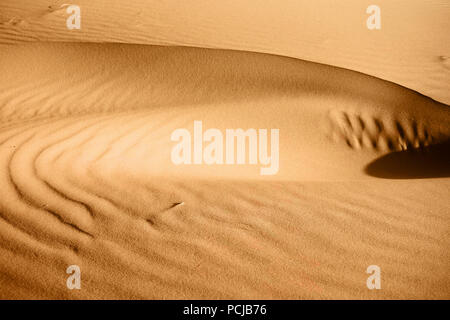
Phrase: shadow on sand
x=429 y=162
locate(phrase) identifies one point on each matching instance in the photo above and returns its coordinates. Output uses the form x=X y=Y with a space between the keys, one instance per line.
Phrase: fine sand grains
x=86 y=179
x=86 y=176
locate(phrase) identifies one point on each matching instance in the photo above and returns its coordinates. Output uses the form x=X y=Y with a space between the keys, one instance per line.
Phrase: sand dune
x=411 y=49
x=87 y=179
x=326 y=119
x=290 y=240
x=86 y=175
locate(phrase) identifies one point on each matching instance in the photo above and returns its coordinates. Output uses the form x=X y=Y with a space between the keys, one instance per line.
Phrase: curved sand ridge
x=318 y=108
x=67 y=200
x=86 y=178
x=411 y=49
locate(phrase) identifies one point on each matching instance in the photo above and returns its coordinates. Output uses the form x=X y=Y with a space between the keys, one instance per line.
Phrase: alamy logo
x=374 y=281
x=74 y=20
x=374 y=20
x=210 y=147
x=73 y=281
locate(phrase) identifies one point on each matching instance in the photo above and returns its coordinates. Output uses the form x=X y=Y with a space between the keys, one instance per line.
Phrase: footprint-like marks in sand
x=363 y=131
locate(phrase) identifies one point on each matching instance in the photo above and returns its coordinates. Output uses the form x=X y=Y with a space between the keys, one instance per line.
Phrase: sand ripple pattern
x=360 y=131
x=64 y=202
x=82 y=181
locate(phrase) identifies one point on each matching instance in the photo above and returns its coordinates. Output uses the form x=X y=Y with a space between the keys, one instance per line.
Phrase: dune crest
x=87 y=176
x=340 y=38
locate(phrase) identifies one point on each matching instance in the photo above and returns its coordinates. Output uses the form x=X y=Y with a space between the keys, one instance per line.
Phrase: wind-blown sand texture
x=85 y=171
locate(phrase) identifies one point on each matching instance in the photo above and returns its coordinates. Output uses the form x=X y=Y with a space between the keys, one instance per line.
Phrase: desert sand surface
x=86 y=176
x=411 y=49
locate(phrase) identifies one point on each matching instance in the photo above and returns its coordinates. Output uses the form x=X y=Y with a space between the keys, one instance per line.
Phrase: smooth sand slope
x=411 y=49
x=86 y=178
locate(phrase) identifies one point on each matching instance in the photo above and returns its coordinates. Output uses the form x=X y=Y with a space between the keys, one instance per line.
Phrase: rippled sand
x=86 y=176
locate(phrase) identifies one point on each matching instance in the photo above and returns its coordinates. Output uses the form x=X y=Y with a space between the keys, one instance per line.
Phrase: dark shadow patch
x=427 y=162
